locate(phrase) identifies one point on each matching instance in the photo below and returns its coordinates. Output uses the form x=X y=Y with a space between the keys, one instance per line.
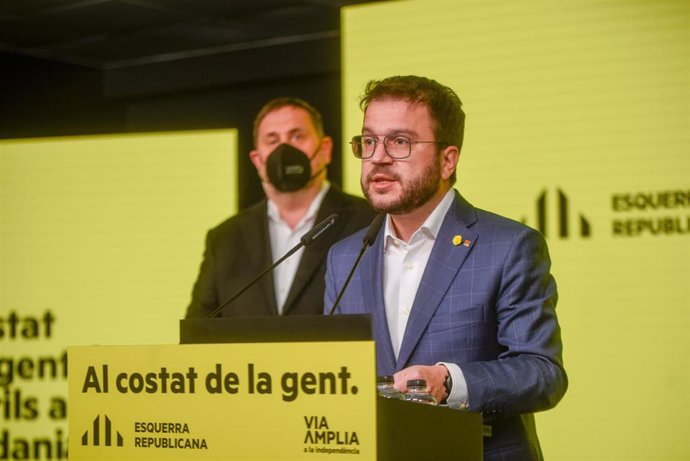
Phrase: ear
x=256 y=159
x=449 y=161
x=259 y=164
x=327 y=149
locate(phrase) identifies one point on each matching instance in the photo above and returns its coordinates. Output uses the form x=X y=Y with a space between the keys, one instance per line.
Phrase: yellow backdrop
x=578 y=123
x=101 y=238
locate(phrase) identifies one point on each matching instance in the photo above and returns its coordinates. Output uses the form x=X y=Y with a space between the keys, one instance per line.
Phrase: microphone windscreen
x=318 y=229
x=373 y=230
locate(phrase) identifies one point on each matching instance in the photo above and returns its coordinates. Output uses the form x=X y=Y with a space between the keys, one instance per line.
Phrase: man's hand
x=434 y=375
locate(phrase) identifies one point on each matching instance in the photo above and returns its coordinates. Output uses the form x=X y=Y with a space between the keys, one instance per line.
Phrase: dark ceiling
x=115 y=34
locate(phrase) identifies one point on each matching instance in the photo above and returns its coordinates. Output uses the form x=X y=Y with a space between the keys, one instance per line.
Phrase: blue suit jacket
x=488 y=307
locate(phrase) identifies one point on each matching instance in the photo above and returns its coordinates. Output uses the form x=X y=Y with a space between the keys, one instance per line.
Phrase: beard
x=415 y=192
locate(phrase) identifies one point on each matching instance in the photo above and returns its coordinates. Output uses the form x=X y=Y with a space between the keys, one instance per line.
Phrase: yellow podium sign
x=265 y=401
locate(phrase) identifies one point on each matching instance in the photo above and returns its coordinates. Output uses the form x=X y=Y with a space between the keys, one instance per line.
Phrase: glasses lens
x=397 y=146
x=368 y=146
x=363 y=146
x=356 y=146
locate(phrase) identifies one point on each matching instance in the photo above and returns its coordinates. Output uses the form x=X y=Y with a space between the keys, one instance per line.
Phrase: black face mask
x=288 y=168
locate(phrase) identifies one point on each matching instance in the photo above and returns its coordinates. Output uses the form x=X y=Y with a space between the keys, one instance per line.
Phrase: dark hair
x=278 y=103
x=444 y=105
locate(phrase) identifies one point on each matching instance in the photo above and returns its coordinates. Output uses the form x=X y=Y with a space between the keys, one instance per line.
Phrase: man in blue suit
x=459 y=296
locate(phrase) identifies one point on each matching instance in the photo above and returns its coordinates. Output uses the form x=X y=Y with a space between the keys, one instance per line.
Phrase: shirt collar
x=274 y=213
x=431 y=225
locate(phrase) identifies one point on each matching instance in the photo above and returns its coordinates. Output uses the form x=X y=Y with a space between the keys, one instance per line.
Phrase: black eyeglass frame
x=357 y=141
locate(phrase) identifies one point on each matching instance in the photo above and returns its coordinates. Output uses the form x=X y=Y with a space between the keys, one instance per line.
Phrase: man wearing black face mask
x=291 y=155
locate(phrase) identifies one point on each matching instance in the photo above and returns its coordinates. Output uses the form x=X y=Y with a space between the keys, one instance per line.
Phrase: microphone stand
x=306 y=240
x=367 y=241
x=365 y=245
x=215 y=313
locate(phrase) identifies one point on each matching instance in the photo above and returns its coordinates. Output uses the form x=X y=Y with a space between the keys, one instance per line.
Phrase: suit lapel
x=315 y=254
x=371 y=268
x=255 y=236
x=444 y=263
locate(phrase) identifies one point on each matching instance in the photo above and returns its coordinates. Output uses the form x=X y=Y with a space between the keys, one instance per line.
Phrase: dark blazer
x=238 y=250
x=487 y=304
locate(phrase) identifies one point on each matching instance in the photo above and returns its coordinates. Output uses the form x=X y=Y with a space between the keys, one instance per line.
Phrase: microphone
x=367 y=241
x=315 y=232
x=306 y=240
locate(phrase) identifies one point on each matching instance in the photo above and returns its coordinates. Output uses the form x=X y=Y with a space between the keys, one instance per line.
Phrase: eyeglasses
x=396 y=146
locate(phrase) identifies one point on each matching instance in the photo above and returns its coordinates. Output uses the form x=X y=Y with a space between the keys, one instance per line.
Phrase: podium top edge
x=298 y=328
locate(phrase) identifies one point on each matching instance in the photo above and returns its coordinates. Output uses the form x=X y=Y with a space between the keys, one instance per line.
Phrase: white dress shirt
x=283 y=238
x=403 y=267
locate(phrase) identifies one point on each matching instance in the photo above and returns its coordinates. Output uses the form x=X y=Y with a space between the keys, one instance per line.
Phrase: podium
x=404 y=431
x=260 y=388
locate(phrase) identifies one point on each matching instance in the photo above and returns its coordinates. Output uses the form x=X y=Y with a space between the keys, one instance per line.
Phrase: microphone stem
x=349 y=276
x=215 y=313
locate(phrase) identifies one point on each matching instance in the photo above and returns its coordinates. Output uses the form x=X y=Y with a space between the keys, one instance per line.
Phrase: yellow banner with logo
x=578 y=124
x=267 y=401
